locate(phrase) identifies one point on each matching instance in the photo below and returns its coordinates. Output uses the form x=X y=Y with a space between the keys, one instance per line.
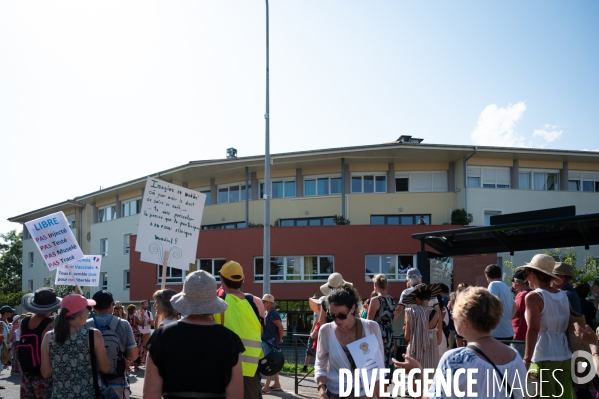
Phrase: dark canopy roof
x=569 y=231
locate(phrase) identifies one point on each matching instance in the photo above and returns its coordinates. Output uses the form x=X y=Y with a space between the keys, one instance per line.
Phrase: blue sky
x=93 y=94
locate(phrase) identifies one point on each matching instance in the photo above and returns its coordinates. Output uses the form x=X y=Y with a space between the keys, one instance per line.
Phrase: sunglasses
x=339 y=316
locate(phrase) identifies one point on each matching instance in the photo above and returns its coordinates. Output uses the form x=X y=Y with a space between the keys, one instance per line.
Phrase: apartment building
x=384 y=190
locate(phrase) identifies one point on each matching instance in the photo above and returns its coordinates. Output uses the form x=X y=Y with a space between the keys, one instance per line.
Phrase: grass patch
x=289 y=368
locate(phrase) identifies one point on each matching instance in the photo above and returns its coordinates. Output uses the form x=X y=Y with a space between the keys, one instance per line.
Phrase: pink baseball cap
x=75 y=303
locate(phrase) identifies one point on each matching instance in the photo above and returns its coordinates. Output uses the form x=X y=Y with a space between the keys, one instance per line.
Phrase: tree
x=459 y=216
x=588 y=273
x=11 y=266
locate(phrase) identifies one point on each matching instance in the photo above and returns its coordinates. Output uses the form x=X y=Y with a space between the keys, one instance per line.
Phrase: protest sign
x=55 y=240
x=169 y=224
x=85 y=270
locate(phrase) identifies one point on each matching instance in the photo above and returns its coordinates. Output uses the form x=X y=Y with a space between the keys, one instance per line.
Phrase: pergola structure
x=547 y=228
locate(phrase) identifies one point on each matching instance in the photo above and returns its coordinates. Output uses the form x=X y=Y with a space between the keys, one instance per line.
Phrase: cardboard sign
x=170 y=221
x=86 y=270
x=55 y=240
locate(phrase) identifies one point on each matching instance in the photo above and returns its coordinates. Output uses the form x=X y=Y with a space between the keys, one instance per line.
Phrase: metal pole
x=247 y=199
x=266 y=258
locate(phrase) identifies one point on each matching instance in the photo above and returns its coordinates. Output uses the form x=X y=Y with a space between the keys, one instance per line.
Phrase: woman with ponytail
x=66 y=351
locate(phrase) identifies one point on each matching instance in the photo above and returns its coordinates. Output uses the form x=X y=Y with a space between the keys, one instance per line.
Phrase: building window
x=400 y=219
x=583 y=181
x=324 y=185
x=71 y=221
x=29 y=285
x=324 y=221
x=172 y=275
x=104 y=281
x=131 y=207
x=207 y=192
x=221 y=226
x=106 y=213
x=26 y=234
x=233 y=193
x=538 y=180
x=104 y=247
x=280 y=189
x=488 y=215
x=394 y=267
x=369 y=183
x=296 y=268
x=30 y=258
x=126 y=284
x=421 y=182
x=211 y=266
x=489 y=177
x=126 y=244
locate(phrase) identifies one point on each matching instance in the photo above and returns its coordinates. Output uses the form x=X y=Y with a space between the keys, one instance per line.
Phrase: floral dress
x=72 y=367
x=384 y=317
x=141 y=358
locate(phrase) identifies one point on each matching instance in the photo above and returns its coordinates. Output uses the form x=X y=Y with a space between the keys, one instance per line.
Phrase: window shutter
x=573 y=175
x=586 y=176
x=503 y=176
x=439 y=181
x=421 y=182
x=489 y=176
x=474 y=172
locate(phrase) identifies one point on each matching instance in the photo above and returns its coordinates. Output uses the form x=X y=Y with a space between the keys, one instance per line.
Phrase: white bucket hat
x=335 y=280
x=198 y=295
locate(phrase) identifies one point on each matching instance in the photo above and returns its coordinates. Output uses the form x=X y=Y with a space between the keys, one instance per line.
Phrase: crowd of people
x=74 y=347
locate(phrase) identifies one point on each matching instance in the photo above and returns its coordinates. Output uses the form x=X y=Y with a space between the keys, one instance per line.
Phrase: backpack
x=112 y=344
x=28 y=347
x=250 y=299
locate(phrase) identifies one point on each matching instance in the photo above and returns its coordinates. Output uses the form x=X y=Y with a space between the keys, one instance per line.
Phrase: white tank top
x=552 y=343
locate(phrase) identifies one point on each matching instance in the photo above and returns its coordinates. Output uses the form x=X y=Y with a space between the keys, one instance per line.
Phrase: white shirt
x=330 y=356
x=464 y=358
x=145 y=329
x=501 y=290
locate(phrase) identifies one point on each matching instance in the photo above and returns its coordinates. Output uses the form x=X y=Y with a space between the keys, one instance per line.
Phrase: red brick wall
x=348 y=244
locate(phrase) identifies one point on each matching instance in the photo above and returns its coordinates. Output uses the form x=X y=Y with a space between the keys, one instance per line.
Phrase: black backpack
x=112 y=344
x=28 y=347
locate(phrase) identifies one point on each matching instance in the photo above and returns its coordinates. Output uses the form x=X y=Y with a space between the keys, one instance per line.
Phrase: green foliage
x=588 y=273
x=61 y=290
x=460 y=217
x=11 y=266
x=250 y=224
x=341 y=221
x=11 y=299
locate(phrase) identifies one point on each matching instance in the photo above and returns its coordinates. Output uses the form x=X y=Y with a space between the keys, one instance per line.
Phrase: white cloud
x=549 y=133
x=495 y=126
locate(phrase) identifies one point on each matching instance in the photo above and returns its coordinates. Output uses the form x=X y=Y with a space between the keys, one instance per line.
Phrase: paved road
x=307 y=388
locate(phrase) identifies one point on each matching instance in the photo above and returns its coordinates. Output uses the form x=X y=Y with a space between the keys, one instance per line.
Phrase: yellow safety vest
x=241 y=319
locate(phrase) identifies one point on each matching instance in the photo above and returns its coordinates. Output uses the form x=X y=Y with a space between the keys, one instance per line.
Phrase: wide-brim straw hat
x=43 y=300
x=435 y=290
x=198 y=295
x=544 y=264
x=314 y=302
x=335 y=280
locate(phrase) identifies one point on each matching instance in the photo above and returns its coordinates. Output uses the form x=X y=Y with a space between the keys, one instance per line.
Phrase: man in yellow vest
x=244 y=316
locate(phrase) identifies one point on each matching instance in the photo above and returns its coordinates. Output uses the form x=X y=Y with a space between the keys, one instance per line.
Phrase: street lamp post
x=267 y=188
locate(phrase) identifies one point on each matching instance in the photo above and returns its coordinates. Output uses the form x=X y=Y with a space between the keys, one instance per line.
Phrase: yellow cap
x=232 y=271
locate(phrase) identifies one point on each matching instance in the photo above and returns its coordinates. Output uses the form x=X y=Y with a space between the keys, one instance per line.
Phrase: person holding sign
x=332 y=353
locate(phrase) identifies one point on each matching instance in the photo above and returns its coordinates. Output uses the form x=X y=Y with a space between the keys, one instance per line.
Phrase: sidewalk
x=307 y=389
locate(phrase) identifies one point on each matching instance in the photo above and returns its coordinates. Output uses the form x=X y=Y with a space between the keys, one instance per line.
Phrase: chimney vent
x=231 y=153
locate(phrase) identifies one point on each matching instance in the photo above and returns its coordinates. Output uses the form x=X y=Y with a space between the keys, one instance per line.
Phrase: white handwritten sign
x=86 y=270
x=55 y=240
x=170 y=221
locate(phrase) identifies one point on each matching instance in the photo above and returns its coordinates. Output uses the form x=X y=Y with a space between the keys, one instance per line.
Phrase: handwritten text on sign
x=170 y=220
x=86 y=270
x=55 y=240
